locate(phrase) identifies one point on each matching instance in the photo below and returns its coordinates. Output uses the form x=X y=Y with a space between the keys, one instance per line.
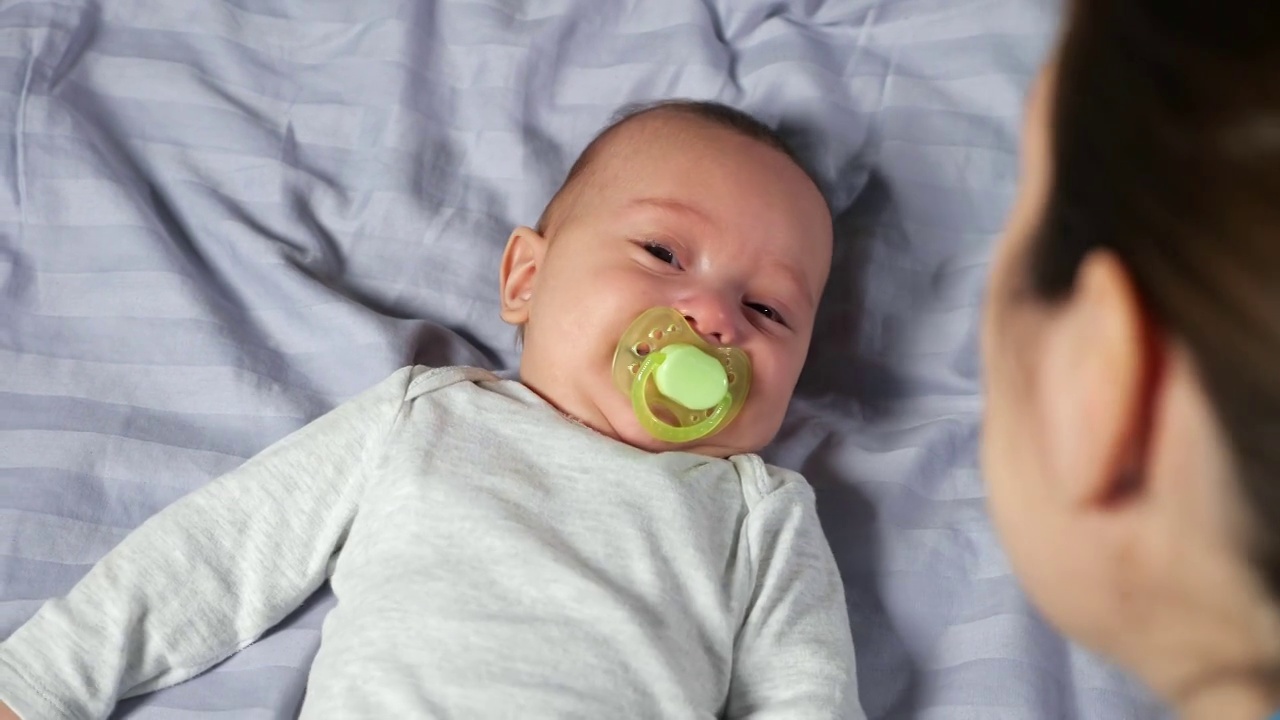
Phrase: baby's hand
x=7 y=714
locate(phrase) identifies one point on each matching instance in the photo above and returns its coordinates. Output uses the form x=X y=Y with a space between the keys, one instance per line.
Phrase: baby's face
x=674 y=211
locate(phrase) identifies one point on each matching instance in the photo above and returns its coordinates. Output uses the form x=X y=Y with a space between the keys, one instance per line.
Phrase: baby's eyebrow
x=790 y=274
x=796 y=279
x=669 y=204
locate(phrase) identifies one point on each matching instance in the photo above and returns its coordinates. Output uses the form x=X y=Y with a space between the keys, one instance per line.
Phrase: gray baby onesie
x=490 y=560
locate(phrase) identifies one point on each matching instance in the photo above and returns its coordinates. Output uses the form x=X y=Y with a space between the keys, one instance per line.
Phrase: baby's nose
x=713 y=319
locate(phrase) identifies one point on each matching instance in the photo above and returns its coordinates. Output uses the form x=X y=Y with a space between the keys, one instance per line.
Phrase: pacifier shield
x=681 y=387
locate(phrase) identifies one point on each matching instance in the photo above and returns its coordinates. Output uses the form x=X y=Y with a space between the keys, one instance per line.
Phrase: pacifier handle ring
x=663 y=430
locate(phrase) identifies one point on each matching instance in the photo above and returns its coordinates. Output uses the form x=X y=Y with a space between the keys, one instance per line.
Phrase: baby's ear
x=520 y=263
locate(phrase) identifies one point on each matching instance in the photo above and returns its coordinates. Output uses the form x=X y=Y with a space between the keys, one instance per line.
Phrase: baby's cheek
x=771 y=408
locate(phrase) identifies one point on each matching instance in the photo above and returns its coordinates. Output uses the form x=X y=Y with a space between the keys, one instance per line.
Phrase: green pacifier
x=681 y=387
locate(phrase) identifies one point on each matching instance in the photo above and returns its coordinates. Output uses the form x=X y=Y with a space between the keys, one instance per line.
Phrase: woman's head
x=1132 y=341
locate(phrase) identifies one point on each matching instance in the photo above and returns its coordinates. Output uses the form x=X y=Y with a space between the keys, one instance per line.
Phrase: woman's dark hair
x=1165 y=149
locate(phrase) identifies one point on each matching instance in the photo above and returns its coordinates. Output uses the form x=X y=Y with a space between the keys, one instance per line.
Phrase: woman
x=1132 y=343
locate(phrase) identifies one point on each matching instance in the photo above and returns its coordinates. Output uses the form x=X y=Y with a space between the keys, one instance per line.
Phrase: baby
x=598 y=540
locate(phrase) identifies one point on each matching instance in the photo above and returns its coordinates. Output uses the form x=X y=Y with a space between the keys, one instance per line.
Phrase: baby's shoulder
x=424 y=379
x=761 y=481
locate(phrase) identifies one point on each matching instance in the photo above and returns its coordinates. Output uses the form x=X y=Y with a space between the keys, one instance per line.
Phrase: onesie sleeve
x=793 y=657
x=204 y=577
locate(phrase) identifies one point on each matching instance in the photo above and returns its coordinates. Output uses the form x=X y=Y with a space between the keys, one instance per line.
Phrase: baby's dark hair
x=716 y=113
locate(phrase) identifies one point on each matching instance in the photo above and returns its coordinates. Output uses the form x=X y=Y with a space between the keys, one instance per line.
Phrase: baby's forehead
x=653 y=132
x=654 y=140
x=673 y=126
x=675 y=154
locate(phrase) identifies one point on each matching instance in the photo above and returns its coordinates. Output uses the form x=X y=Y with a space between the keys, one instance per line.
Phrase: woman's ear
x=520 y=262
x=1100 y=381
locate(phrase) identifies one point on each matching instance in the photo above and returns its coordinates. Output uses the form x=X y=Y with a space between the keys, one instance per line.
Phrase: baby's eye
x=662 y=252
x=768 y=312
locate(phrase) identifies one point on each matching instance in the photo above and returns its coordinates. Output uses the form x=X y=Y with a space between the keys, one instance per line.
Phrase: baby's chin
x=733 y=440
x=711 y=447
x=724 y=445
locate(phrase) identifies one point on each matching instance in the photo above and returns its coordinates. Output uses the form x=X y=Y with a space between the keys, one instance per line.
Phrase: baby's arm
x=794 y=655
x=205 y=576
